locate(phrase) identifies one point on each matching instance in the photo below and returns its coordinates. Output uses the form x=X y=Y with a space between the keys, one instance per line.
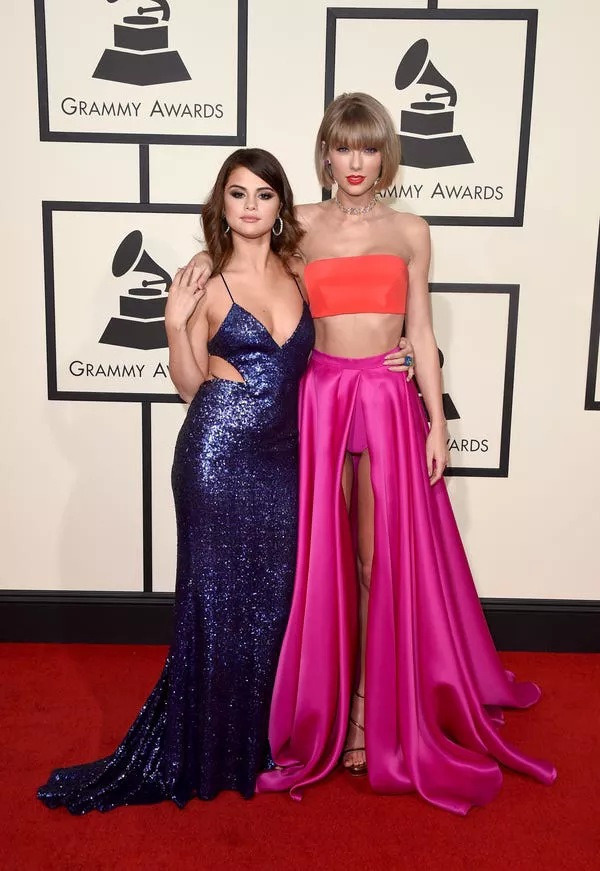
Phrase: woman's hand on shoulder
x=185 y=295
x=297 y=264
x=203 y=262
x=305 y=214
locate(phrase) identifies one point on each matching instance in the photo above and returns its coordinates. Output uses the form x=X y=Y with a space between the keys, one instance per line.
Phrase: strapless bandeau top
x=353 y=285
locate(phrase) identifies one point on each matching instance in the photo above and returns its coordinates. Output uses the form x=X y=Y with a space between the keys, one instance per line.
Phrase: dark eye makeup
x=238 y=193
x=370 y=149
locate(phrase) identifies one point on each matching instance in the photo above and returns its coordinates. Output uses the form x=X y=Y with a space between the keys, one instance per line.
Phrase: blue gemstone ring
x=408 y=361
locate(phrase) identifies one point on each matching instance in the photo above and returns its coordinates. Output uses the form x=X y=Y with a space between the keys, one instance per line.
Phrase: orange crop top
x=352 y=285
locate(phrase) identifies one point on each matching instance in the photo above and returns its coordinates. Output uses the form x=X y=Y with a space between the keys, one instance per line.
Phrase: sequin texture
x=203 y=728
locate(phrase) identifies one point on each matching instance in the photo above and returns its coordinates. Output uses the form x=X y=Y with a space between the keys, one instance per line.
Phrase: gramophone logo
x=135 y=72
x=427 y=137
x=141 y=54
x=141 y=320
x=436 y=70
x=450 y=410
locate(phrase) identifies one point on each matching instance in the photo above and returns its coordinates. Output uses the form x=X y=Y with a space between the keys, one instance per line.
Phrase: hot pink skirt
x=434 y=683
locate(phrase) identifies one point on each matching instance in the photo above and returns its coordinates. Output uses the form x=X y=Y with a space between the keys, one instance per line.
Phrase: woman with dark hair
x=237 y=350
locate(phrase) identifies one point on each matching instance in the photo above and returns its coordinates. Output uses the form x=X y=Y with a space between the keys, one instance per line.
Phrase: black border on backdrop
x=40 y=616
x=48 y=210
x=591 y=386
x=530 y=16
x=48 y=135
x=512 y=291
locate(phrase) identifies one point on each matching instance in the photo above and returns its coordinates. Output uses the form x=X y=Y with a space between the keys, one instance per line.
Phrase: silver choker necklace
x=353 y=210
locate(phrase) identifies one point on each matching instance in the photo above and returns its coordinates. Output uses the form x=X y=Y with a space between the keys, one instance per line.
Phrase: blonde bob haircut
x=358 y=120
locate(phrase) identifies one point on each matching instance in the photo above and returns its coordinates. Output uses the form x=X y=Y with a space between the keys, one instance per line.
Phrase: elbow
x=420 y=336
x=187 y=391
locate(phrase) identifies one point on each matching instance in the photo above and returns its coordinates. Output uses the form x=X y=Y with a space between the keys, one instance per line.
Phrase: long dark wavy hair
x=266 y=167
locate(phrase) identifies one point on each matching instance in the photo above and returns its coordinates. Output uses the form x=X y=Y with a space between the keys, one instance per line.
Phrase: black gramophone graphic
x=141 y=55
x=450 y=410
x=141 y=321
x=426 y=129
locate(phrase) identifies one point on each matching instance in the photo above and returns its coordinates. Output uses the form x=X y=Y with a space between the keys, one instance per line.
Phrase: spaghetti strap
x=227 y=286
x=299 y=288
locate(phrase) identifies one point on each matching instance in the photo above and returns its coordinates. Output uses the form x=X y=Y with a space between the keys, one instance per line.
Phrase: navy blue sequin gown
x=204 y=726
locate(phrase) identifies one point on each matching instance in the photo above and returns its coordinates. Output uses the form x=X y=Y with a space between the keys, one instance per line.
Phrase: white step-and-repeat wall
x=116 y=118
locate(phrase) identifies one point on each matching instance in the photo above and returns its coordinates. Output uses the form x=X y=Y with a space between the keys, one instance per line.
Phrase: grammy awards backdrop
x=117 y=116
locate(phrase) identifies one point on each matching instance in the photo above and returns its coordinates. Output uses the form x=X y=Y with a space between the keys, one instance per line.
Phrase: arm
x=203 y=262
x=186 y=323
x=419 y=332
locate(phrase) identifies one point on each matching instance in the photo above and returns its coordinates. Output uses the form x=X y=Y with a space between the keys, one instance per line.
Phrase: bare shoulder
x=414 y=230
x=410 y=225
x=308 y=212
x=214 y=285
x=216 y=294
x=308 y=208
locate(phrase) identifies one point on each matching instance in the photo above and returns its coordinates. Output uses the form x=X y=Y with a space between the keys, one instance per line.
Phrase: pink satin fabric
x=434 y=682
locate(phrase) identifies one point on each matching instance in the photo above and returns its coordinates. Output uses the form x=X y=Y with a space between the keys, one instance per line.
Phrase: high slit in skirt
x=434 y=684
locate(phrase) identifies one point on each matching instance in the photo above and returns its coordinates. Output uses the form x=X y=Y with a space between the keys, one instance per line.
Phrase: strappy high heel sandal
x=357 y=769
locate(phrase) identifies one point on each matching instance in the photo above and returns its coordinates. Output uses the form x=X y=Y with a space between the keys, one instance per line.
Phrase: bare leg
x=347 y=479
x=352 y=740
x=366 y=509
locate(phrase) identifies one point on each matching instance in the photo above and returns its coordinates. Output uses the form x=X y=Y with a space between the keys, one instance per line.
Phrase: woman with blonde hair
x=396 y=674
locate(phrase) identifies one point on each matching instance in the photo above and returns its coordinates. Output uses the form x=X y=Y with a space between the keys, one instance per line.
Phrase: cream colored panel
x=456 y=163
x=531 y=535
x=71 y=470
x=131 y=74
x=72 y=495
x=71 y=474
x=179 y=174
x=472 y=328
x=166 y=423
x=286 y=74
x=109 y=293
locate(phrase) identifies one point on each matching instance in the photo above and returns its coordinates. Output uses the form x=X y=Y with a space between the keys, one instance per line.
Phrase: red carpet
x=62 y=705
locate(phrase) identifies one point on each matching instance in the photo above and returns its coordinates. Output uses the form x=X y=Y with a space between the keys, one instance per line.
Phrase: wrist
x=175 y=328
x=438 y=423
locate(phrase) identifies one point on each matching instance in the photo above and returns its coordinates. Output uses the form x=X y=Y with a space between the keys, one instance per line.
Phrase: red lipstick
x=355 y=179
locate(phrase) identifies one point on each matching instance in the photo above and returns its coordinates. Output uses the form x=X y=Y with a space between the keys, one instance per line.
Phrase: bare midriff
x=221 y=369
x=357 y=303
x=358 y=335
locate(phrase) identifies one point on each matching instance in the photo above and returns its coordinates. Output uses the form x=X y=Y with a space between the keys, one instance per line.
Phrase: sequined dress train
x=204 y=726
